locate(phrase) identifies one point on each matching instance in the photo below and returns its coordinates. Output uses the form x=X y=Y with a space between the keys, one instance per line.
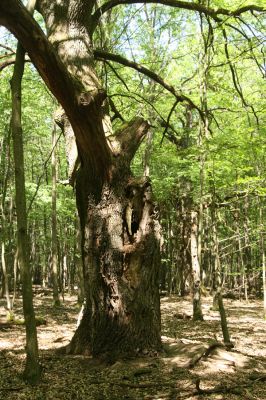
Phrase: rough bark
x=121 y=256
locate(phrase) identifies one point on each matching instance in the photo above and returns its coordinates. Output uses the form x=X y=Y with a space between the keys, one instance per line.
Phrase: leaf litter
x=194 y=363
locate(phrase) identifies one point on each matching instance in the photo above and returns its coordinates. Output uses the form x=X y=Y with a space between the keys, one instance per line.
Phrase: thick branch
x=103 y=55
x=130 y=137
x=211 y=12
x=10 y=61
x=90 y=137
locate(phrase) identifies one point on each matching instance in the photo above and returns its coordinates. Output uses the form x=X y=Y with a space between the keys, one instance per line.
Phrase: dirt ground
x=194 y=364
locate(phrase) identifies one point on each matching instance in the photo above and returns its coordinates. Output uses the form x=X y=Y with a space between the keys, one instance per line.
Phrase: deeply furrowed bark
x=121 y=271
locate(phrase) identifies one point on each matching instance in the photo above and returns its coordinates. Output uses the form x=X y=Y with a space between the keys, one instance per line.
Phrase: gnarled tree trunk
x=120 y=236
x=121 y=258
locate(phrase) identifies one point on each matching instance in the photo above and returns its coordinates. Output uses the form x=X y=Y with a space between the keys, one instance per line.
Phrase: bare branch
x=211 y=12
x=103 y=55
x=10 y=61
x=168 y=121
x=116 y=112
x=116 y=74
x=8 y=48
x=235 y=78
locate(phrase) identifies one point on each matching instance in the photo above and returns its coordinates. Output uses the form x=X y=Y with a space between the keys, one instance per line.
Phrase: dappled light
x=187 y=357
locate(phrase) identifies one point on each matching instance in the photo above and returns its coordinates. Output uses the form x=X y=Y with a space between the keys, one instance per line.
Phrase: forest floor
x=191 y=366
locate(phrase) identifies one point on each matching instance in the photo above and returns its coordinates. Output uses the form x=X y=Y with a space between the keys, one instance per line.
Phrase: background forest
x=201 y=84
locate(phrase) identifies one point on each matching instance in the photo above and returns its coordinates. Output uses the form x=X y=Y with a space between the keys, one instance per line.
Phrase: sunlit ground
x=174 y=374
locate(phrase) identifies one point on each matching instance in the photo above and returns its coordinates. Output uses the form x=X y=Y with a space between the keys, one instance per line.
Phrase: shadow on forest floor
x=192 y=366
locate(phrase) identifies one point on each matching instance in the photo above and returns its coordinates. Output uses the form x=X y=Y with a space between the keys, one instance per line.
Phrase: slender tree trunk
x=65 y=274
x=5 y=170
x=197 y=311
x=224 y=325
x=185 y=256
x=264 y=279
x=54 y=272
x=32 y=367
x=242 y=268
x=217 y=281
x=179 y=250
x=263 y=258
x=170 y=278
x=79 y=265
x=147 y=155
x=45 y=252
x=15 y=277
x=247 y=248
x=9 y=304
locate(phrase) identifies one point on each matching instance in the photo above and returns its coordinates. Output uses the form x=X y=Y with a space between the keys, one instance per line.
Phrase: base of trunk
x=32 y=371
x=114 y=341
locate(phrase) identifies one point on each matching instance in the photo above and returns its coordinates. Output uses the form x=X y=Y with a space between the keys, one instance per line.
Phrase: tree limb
x=211 y=12
x=131 y=135
x=168 y=121
x=235 y=78
x=103 y=55
x=10 y=61
x=116 y=112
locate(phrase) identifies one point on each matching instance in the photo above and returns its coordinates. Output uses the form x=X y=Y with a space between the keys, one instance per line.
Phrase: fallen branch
x=205 y=352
